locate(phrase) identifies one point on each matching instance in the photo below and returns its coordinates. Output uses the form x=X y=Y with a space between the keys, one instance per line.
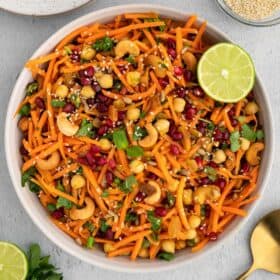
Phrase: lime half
x=226 y=72
x=13 y=262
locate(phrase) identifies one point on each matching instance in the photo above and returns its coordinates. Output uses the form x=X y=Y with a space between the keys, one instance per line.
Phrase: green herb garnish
x=31 y=88
x=131 y=59
x=56 y=103
x=75 y=99
x=90 y=242
x=89 y=225
x=131 y=217
x=120 y=139
x=25 y=110
x=134 y=151
x=105 y=193
x=51 y=207
x=86 y=129
x=63 y=202
x=155 y=221
x=251 y=135
x=170 y=199
x=166 y=256
x=103 y=45
x=211 y=173
x=103 y=225
x=139 y=133
x=145 y=243
x=127 y=184
x=234 y=141
x=39 y=267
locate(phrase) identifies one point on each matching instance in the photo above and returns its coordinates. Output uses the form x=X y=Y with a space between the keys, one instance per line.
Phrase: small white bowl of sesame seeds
x=252 y=12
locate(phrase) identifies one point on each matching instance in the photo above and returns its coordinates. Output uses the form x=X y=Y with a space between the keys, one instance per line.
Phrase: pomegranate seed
x=191 y=36
x=23 y=151
x=188 y=75
x=94 y=149
x=160 y=211
x=68 y=108
x=178 y=70
x=152 y=176
x=180 y=92
x=122 y=69
x=203 y=228
x=197 y=91
x=109 y=123
x=75 y=56
x=82 y=160
x=85 y=81
x=199 y=161
x=207 y=211
x=101 y=161
x=225 y=135
x=245 y=167
x=190 y=113
x=221 y=183
x=140 y=196
x=218 y=134
x=102 y=130
x=201 y=127
x=96 y=87
x=90 y=102
x=163 y=82
x=102 y=108
x=234 y=122
x=204 y=181
x=103 y=99
x=172 y=53
x=109 y=177
x=171 y=43
x=121 y=115
x=109 y=234
x=213 y=236
x=174 y=150
x=90 y=158
x=177 y=136
x=40 y=103
x=112 y=164
x=231 y=112
x=251 y=96
x=212 y=164
x=88 y=72
x=59 y=213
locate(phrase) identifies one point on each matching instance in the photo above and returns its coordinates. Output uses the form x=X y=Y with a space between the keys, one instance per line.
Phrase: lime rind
x=238 y=65
x=13 y=262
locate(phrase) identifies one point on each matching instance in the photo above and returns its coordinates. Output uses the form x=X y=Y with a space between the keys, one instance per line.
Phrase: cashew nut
x=151 y=139
x=190 y=60
x=152 y=189
x=50 y=163
x=230 y=162
x=252 y=154
x=126 y=47
x=210 y=192
x=65 y=126
x=84 y=213
x=158 y=64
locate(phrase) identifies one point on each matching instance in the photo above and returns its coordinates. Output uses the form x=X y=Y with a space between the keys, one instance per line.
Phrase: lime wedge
x=13 y=262
x=226 y=72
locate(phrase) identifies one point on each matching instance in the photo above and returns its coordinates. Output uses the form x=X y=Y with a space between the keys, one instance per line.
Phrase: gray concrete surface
x=21 y=35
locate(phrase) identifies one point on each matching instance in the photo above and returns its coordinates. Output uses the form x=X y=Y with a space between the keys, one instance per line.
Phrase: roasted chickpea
x=251 y=108
x=87 y=92
x=105 y=144
x=168 y=246
x=219 y=156
x=78 y=181
x=133 y=114
x=194 y=221
x=133 y=78
x=105 y=81
x=88 y=53
x=179 y=104
x=61 y=91
x=136 y=166
x=162 y=126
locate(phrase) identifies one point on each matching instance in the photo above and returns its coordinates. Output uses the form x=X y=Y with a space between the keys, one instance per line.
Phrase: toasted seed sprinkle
x=254 y=9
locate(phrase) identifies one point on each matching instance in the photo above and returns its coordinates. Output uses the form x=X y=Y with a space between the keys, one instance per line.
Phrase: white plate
x=40 y=216
x=41 y=7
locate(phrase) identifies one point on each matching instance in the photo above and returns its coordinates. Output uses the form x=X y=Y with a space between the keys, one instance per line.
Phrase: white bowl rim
x=109 y=264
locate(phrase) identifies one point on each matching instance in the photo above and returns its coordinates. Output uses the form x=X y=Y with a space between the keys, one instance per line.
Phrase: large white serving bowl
x=38 y=213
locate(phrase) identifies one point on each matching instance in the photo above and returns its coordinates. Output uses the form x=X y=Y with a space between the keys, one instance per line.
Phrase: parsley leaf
x=234 y=141
x=56 y=103
x=211 y=173
x=161 y=28
x=51 y=207
x=127 y=184
x=75 y=99
x=105 y=44
x=63 y=202
x=260 y=134
x=31 y=88
x=90 y=242
x=139 y=133
x=166 y=256
x=105 y=193
x=27 y=175
x=59 y=186
x=89 y=225
x=25 y=110
x=134 y=151
x=131 y=217
x=103 y=225
x=39 y=267
x=170 y=199
x=85 y=129
x=130 y=59
x=120 y=139
x=155 y=222
x=248 y=133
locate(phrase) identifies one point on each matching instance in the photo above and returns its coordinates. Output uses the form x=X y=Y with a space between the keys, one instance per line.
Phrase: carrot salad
x=124 y=149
